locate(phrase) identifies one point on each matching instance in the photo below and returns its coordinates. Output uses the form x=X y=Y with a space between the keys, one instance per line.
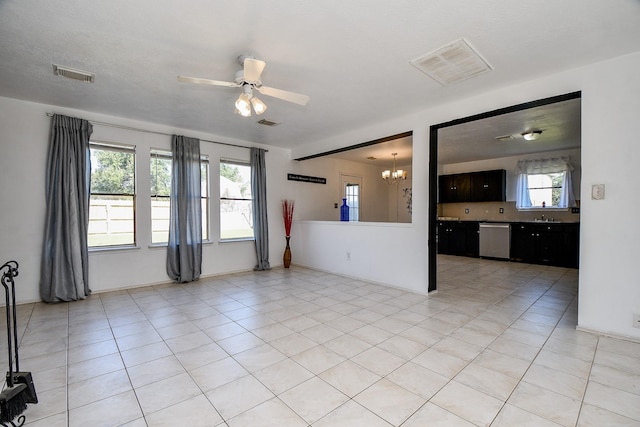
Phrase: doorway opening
x=351 y=191
x=434 y=135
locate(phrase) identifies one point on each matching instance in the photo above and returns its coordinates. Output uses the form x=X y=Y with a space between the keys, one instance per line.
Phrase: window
x=545 y=189
x=236 y=217
x=112 y=199
x=160 y=192
x=352 y=194
x=544 y=183
x=204 y=190
x=351 y=186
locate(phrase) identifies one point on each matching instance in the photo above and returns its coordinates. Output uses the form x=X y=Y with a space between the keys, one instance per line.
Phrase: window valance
x=540 y=166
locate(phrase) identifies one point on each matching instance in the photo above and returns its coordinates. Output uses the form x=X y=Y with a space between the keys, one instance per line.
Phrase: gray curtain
x=64 y=274
x=184 y=251
x=260 y=220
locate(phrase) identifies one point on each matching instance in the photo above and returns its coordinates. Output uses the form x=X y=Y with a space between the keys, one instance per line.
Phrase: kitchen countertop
x=523 y=221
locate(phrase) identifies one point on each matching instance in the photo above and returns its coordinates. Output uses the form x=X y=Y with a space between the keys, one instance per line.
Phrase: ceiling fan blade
x=253 y=69
x=210 y=82
x=283 y=94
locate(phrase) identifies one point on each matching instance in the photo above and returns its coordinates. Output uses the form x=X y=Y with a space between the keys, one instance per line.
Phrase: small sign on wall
x=305 y=178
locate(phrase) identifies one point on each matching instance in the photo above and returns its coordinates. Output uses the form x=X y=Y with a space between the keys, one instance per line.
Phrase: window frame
x=349 y=179
x=234 y=162
x=354 y=211
x=206 y=214
x=547 y=207
x=124 y=148
x=551 y=188
x=158 y=153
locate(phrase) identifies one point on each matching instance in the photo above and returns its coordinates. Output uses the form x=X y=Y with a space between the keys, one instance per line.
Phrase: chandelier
x=395 y=175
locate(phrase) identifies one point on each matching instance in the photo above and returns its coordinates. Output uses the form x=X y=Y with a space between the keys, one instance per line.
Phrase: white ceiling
x=559 y=124
x=350 y=57
x=381 y=154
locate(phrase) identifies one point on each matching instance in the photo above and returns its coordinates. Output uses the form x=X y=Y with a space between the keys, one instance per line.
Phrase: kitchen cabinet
x=484 y=186
x=458 y=238
x=545 y=243
x=523 y=242
x=488 y=186
x=455 y=188
x=572 y=245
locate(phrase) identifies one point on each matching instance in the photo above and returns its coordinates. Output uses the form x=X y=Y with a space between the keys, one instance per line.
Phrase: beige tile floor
x=496 y=345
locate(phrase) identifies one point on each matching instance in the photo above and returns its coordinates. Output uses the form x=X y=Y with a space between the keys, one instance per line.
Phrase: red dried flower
x=287 y=215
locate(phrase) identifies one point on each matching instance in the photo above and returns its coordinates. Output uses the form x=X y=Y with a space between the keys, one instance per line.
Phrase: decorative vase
x=344 y=211
x=287 y=254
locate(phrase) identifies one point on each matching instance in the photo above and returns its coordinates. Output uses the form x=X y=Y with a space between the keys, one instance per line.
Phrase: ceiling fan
x=249 y=79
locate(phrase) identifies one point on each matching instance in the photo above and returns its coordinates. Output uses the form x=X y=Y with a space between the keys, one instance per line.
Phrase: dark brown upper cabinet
x=455 y=188
x=488 y=186
x=484 y=186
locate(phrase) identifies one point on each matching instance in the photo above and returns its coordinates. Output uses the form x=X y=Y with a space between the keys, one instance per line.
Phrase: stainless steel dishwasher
x=495 y=240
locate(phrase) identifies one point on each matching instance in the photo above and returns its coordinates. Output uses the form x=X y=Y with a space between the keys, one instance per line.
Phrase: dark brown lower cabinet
x=458 y=238
x=545 y=243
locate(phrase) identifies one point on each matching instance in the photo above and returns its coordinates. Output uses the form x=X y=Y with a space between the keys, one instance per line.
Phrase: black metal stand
x=20 y=389
x=18 y=422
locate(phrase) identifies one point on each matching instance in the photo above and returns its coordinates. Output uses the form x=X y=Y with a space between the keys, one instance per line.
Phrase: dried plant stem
x=287 y=215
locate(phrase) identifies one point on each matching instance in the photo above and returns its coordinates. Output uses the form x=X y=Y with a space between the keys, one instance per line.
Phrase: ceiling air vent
x=452 y=63
x=267 y=122
x=504 y=138
x=72 y=73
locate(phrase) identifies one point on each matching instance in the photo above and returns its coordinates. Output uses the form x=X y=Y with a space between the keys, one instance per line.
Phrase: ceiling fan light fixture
x=249 y=79
x=243 y=113
x=243 y=105
x=258 y=106
x=531 y=135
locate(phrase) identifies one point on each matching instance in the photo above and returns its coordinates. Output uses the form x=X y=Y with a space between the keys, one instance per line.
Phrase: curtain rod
x=93 y=122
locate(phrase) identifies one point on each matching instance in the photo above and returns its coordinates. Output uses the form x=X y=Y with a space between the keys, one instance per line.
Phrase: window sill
x=113 y=248
x=243 y=239
x=164 y=245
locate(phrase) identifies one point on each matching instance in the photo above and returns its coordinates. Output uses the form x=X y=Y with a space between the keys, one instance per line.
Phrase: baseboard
x=608 y=334
x=361 y=279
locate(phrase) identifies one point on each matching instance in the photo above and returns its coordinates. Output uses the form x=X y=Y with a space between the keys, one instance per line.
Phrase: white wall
x=609 y=283
x=24 y=128
x=390 y=253
x=366 y=251
x=317 y=201
x=398 y=199
x=609 y=286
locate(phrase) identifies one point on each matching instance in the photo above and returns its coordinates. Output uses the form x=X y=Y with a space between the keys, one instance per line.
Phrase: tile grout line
x=586 y=386
x=536 y=356
x=487 y=346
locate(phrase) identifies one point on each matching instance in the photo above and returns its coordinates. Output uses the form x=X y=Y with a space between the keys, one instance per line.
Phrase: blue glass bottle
x=344 y=211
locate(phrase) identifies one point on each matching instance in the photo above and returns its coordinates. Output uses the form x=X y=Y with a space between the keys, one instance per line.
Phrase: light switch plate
x=597 y=191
